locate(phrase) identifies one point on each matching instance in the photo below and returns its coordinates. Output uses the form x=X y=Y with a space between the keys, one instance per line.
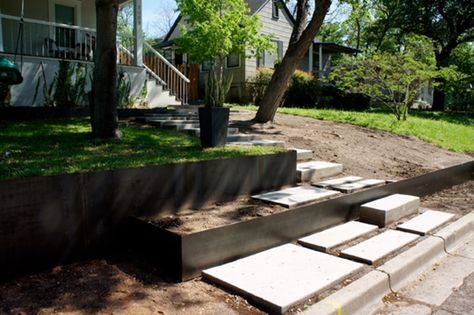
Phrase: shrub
x=306 y=91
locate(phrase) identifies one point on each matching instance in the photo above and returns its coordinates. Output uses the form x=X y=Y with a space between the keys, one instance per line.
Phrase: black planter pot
x=213 y=122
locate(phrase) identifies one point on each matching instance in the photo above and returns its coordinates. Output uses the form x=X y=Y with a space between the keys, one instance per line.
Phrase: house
x=55 y=30
x=277 y=20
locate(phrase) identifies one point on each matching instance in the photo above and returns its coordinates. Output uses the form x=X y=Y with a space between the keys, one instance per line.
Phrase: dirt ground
x=124 y=284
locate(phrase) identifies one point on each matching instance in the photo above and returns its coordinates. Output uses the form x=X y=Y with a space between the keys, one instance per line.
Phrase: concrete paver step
x=302 y=154
x=315 y=170
x=338 y=235
x=240 y=137
x=377 y=247
x=295 y=196
x=337 y=181
x=282 y=277
x=262 y=142
x=195 y=131
x=389 y=209
x=350 y=187
x=426 y=222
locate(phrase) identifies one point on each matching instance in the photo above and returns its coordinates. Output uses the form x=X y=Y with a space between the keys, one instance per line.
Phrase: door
x=65 y=37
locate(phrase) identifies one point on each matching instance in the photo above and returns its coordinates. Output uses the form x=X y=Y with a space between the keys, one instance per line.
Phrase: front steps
x=283 y=277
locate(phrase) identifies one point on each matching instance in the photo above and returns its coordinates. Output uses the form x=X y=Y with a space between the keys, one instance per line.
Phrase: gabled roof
x=254 y=5
x=336 y=48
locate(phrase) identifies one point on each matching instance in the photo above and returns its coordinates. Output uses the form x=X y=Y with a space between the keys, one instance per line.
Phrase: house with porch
x=37 y=34
x=277 y=20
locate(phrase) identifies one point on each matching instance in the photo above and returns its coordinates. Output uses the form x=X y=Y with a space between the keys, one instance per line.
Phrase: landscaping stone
x=195 y=131
x=389 y=209
x=295 y=196
x=302 y=154
x=350 y=187
x=282 y=277
x=263 y=142
x=315 y=170
x=377 y=247
x=426 y=222
x=338 y=235
x=337 y=181
x=241 y=137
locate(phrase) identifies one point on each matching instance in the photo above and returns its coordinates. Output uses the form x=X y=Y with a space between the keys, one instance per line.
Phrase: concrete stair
x=316 y=170
x=426 y=222
x=389 y=209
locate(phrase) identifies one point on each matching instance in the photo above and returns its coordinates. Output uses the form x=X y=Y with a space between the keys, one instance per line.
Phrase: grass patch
x=49 y=147
x=452 y=131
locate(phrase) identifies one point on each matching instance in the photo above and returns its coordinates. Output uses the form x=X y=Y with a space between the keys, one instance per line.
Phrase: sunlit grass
x=452 y=131
x=49 y=147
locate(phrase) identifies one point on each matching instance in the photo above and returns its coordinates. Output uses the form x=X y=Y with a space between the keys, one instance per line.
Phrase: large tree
x=301 y=38
x=104 y=116
x=448 y=23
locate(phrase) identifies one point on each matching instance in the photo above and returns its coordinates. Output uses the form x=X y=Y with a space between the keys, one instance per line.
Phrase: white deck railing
x=177 y=83
x=49 y=39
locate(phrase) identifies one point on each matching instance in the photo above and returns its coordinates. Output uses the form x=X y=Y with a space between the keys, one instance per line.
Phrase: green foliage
x=256 y=85
x=391 y=79
x=216 y=90
x=124 y=87
x=67 y=89
x=47 y=147
x=216 y=29
x=452 y=131
x=461 y=93
x=305 y=91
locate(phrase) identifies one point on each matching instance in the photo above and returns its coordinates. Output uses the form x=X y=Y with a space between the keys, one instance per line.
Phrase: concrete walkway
x=447 y=288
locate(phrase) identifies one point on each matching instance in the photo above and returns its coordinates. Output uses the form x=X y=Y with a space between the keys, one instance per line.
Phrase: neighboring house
x=65 y=29
x=277 y=20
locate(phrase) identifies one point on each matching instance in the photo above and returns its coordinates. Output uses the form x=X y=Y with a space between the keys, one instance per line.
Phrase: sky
x=157 y=13
x=153 y=12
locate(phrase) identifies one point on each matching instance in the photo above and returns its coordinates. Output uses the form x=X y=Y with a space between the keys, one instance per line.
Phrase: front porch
x=53 y=30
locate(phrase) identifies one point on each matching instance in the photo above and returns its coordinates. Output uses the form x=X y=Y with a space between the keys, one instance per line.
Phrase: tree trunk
x=442 y=60
x=105 y=120
x=300 y=41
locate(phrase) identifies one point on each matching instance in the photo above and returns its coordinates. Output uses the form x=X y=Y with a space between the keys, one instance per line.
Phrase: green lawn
x=451 y=131
x=64 y=146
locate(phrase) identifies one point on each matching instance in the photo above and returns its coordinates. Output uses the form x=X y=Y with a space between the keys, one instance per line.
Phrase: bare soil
x=363 y=152
x=124 y=284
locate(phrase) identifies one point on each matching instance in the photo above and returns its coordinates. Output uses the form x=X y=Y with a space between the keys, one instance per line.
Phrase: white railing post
x=138 y=33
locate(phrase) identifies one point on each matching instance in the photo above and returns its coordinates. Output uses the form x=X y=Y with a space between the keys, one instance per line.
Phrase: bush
x=256 y=86
x=305 y=91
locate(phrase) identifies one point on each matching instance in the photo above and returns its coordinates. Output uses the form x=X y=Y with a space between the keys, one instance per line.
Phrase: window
x=233 y=60
x=268 y=60
x=275 y=9
x=65 y=37
x=206 y=65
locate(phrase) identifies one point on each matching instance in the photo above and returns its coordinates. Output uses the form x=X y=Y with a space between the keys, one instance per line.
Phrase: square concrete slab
x=315 y=170
x=350 y=187
x=302 y=154
x=283 y=276
x=379 y=246
x=337 y=235
x=337 y=181
x=426 y=222
x=295 y=196
x=385 y=210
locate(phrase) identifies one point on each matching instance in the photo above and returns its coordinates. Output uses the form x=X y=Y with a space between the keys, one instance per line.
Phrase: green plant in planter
x=215 y=29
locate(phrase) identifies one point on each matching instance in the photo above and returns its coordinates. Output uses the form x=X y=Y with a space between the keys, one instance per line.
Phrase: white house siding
x=281 y=28
x=23 y=94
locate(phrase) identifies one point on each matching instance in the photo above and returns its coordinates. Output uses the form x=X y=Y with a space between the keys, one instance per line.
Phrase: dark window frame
x=275 y=10
x=238 y=61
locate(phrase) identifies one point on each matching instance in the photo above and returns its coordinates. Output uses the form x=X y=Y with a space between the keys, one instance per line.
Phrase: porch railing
x=56 y=40
x=48 y=39
x=177 y=83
